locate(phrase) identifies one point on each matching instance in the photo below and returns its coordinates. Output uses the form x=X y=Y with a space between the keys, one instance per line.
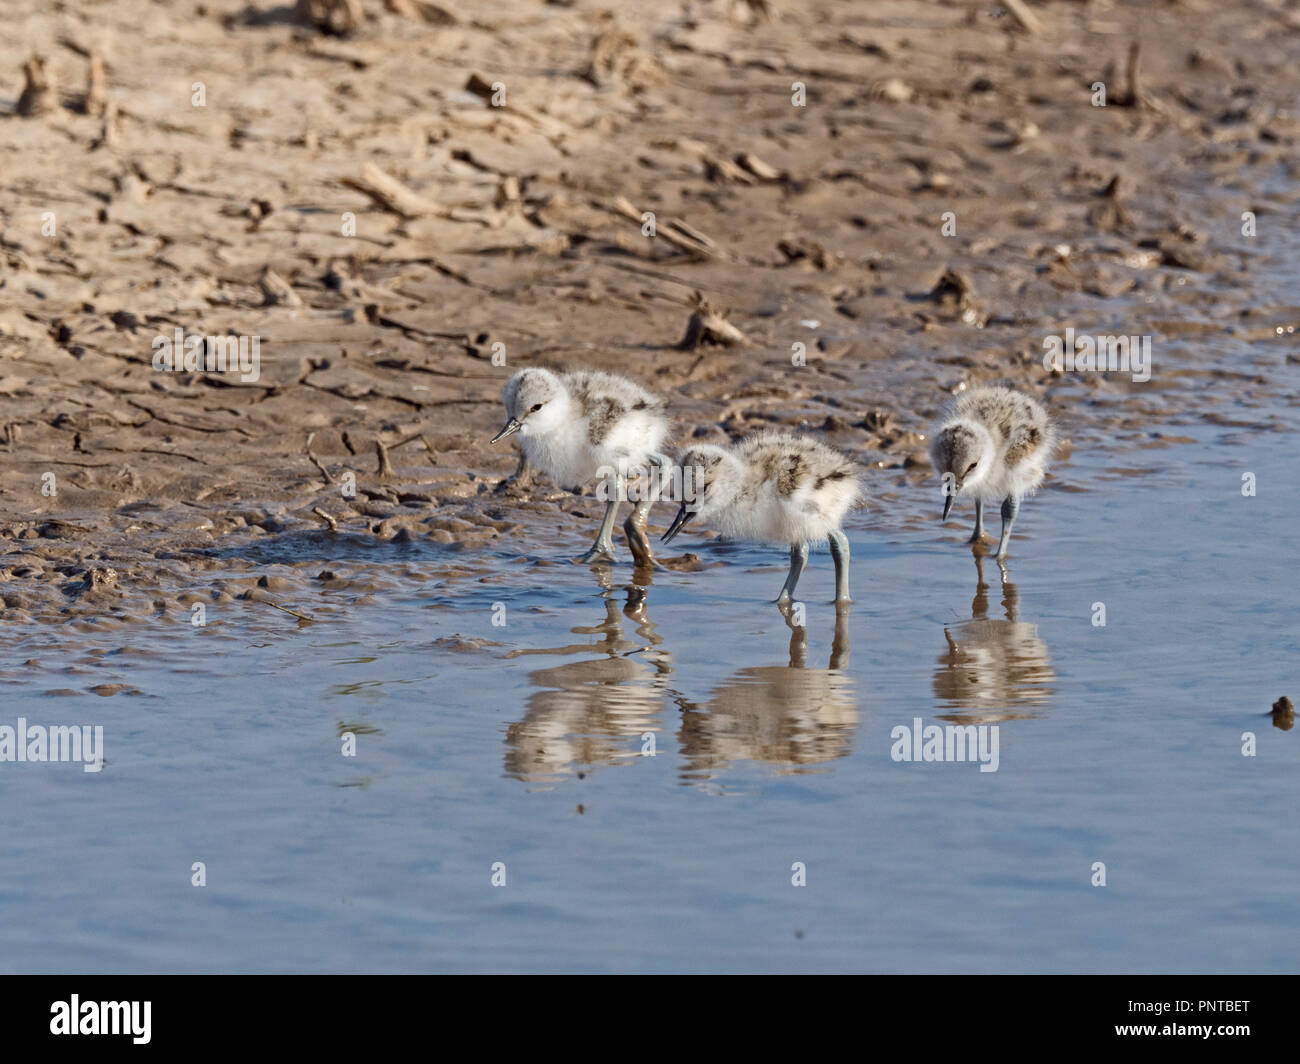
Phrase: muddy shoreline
x=811 y=217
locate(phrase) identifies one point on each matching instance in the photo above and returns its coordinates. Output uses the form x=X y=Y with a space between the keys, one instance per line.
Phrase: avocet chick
x=773 y=488
x=576 y=426
x=995 y=443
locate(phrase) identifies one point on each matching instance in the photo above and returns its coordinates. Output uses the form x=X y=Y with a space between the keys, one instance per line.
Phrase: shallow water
x=511 y=720
x=1120 y=744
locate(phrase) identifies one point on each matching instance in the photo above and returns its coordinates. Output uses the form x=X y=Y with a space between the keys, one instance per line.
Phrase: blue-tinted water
x=522 y=743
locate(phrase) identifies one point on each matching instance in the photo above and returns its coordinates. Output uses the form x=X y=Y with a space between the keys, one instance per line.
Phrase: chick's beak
x=947 y=504
x=679 y=522
x=512 y=426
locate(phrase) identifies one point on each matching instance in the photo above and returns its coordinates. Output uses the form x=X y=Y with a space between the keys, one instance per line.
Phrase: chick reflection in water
x=790 y=716
x=995 y=668
x=593 y=711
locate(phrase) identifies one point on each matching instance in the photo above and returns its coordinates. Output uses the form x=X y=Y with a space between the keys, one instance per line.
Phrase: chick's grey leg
x=839 y=544
x=604 y=545
x=635 y=524
x=798 y=559
x=1010 y=508
x=978 y=534
x=840 y=643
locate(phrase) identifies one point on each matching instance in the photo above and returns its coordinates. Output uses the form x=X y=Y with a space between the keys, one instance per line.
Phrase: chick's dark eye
x=535 y=408
x=970 y=469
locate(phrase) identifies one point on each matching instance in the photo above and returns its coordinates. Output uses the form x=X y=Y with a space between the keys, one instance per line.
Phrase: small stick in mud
x=1110 y=215
x=1131 y=94
x=385 y=469
x=708 y=325
x=38 y=96
x=433 y=460
x=327 y=518
x=302 y=617
x=673 y=230
x=433 y=14
x=276 y=291
x=316 y=461
x=107 y=127
x=390 y=193
x=96 y=99
x=1027 y=20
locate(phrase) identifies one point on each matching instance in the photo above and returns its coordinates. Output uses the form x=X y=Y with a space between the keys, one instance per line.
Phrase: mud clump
x=708 y=326
x=39 y=95
x=954 y=294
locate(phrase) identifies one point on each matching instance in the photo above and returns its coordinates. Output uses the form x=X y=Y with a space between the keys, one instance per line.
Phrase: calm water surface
x=524 y=743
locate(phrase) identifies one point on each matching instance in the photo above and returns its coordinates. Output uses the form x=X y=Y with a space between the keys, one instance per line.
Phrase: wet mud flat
x=907 y=196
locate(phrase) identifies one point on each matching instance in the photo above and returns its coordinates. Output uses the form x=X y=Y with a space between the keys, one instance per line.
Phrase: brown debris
x=1283 y=714
x=673 y=230
x=1109 y=215
x=724 y=170
x=480 y=87
x=94 y=581
x=316 y=461
x=96 y=99
x=617 y=57
x=276 y=291
x=39 y=96
x=1027 y=19
x=1179 y=248
x=808 y=253
x=763 y=171
x=433 y=14
x=1133 y=94
x=749 y=13
x=508 y=191
x=954 y=294
x=708 y=325
x=385 y=469
x=746 y=169
x=335 y=17
x=878 y=420
x=254 y=594
x=107 y=127
x=895 y=90
x=388 y=192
